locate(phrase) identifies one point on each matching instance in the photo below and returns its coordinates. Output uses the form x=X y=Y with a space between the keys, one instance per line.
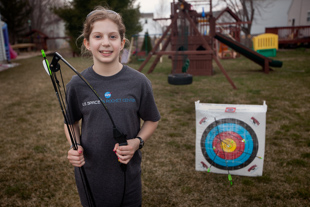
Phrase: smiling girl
x=128 y=95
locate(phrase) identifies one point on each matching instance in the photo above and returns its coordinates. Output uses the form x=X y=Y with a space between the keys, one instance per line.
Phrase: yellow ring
x=228 y=145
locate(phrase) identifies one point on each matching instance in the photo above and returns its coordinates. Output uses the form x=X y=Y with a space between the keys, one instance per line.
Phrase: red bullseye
x=228 y=145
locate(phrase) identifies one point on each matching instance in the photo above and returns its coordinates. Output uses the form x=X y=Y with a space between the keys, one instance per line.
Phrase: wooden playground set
x=192 y=36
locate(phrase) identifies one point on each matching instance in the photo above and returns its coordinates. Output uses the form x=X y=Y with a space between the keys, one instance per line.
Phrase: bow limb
x=71 y=132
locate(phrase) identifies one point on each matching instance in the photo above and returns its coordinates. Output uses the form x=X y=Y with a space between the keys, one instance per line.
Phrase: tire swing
x=181 y=78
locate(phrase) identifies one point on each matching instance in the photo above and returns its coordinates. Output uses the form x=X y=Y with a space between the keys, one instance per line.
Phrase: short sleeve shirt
x=129 y=98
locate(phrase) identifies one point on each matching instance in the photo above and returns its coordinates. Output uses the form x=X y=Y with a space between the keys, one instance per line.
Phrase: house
x=281 y=13
x=299 y=13
x=270 y=14
x=297 y=30
x=148 y=24
x=57 y=34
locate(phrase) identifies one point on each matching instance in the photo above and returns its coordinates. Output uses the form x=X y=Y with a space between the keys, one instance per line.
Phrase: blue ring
x=237 y=129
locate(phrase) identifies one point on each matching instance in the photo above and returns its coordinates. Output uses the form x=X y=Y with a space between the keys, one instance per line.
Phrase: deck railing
x=291 y=35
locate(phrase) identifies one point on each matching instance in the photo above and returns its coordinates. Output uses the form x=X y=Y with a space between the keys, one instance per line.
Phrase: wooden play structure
x=230 y=26
x=38 y=38
x=188 y=42
x=191 y=36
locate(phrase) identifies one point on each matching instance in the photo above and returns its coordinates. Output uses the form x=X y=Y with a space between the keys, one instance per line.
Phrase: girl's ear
x=86 y=44
x=123 y=43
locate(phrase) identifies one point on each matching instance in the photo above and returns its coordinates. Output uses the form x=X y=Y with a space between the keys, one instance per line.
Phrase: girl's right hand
x=76 y=157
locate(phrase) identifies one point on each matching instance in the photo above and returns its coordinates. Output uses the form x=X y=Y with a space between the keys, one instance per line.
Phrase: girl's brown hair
x=101 y=13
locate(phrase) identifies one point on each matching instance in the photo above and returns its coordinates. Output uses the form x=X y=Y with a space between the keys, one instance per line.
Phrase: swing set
x=191 y=44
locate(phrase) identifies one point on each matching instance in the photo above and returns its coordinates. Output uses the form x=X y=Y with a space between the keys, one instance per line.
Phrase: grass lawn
x=34 y=170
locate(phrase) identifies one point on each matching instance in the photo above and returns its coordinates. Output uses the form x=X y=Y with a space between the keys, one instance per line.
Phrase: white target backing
x=230 y=138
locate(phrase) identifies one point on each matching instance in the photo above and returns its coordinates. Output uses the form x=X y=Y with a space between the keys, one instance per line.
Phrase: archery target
x=230 y=138
x=229 y=144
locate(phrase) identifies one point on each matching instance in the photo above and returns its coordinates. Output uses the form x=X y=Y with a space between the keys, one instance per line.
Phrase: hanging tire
x=180 y=79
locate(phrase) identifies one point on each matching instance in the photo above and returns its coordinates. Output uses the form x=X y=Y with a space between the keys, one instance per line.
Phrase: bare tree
x=43 y=16
x=162 y=11
x=246 y=10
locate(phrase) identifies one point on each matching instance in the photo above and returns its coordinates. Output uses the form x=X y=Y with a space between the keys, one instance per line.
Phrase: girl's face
x=105 y=42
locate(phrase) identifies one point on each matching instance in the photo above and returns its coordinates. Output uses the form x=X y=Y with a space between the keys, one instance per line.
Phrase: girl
x=128 y=95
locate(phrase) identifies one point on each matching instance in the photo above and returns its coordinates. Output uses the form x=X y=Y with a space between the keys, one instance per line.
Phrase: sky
x=148 y=5
x=270 y=18
x=151 y=6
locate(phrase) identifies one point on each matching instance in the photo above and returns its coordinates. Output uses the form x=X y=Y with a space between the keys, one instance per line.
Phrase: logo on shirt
x=108 y=95
x=108 y=99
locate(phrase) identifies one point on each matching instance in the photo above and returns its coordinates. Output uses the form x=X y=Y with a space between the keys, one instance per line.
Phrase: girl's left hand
x=125 y=153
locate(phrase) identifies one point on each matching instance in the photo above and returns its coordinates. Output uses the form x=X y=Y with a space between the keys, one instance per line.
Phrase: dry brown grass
x=34 y=170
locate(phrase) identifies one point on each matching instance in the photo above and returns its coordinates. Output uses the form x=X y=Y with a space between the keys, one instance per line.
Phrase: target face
x=229 y=144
